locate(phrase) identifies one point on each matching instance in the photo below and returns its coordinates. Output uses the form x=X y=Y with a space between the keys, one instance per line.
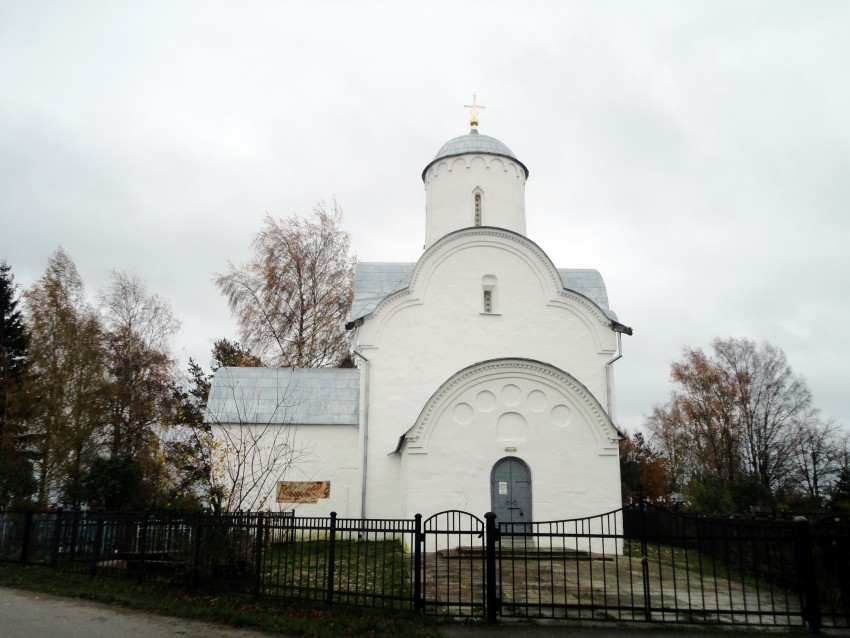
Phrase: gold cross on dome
x=473 y=120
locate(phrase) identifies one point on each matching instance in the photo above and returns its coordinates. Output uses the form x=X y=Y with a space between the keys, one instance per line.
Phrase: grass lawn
x=366 y=573
x=314 y=620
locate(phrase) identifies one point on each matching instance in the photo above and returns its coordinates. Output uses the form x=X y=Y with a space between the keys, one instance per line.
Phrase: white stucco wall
x=520 y=409
x=329 y=453
x=450 y=185
x=421 y=337
x=321 y=453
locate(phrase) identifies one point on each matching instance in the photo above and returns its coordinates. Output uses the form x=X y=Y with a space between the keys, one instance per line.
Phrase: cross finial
x=473 y=120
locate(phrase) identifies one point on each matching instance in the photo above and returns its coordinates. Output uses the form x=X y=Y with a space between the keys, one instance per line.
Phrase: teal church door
x=510 y=495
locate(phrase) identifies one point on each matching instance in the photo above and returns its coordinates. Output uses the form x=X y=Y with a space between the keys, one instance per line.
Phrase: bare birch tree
x=138 y=326
x=773 y=406
x=253 y=442
x=292 y=299
x=820 y=452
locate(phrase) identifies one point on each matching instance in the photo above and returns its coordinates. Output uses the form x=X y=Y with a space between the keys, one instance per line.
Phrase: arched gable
x=551 y=284
x=516 y=401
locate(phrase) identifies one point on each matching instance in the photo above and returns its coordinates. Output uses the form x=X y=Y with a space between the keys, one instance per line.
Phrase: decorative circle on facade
x=561 y=415
x=537 y=401
x=463 y=414
x=486 y=401
x=511 y=395
x=512 y=426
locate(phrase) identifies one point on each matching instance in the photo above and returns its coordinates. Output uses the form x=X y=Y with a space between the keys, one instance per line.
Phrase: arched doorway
x=510 y=495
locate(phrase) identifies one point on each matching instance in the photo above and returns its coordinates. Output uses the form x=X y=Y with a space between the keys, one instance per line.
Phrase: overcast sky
x=696 y=153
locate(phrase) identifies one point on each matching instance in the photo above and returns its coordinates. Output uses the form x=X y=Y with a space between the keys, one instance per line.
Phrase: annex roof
x=302 y=396
x=374 y=281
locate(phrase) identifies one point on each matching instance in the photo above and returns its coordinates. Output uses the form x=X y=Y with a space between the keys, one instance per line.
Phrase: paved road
x=556 y=630
x=29 y=615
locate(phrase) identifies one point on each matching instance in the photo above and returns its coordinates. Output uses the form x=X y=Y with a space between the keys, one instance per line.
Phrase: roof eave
x=442 y=157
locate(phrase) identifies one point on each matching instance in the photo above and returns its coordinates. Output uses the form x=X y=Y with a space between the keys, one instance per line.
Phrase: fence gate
x=453 y=564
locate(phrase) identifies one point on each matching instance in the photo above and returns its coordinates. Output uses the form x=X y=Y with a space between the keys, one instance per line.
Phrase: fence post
x=417 y=563
x=491 y=537
x=331 y=559
x=143 y=545
x=644 y=559
x=98 y=541
x=803 y=556
x=57 y=538
x=75 y=535
x=259 y=535
x=25 y=539
x=195 y=566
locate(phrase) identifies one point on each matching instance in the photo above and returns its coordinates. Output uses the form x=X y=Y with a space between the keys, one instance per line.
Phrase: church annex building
x=485 y=378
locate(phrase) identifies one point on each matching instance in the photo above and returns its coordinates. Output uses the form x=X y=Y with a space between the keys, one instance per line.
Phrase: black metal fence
x=352 y=561
x=640 y=563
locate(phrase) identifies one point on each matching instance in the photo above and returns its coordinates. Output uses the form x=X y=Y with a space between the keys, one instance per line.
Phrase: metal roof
x=375 y=281
x=311 y=396
x=587 y=282
x=474 y=142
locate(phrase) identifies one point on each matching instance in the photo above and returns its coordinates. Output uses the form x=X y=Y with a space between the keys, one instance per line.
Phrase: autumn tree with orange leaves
x=731 y=431
x=641 y=469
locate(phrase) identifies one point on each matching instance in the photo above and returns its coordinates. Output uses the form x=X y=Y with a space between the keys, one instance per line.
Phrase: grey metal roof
x=375 y=281
x=314 y=396
x=474 y=142
x=588 y=282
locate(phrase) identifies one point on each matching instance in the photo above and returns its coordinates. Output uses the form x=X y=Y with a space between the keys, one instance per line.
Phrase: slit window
x=477 y=209
x=489 y=298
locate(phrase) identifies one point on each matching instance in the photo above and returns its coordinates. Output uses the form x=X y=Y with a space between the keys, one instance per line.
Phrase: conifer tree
x=16 y=476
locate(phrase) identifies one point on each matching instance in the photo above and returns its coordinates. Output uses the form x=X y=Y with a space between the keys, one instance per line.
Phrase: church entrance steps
x=527 y=552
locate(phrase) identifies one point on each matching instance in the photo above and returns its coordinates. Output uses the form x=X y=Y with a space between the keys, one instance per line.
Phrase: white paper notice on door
x=503 y=488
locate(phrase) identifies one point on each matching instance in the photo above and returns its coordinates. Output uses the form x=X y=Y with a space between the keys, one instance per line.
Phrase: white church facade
x=485 y=378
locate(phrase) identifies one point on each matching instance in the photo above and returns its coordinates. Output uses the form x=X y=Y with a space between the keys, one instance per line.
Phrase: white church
x=485 y=378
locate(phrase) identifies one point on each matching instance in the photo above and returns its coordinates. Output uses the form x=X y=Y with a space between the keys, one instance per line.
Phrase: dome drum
x=474 y=180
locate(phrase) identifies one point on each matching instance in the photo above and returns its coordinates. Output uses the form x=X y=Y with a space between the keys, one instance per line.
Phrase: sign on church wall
x=302 y=491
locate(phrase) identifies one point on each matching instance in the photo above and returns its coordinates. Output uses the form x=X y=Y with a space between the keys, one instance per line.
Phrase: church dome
x=473 y=142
